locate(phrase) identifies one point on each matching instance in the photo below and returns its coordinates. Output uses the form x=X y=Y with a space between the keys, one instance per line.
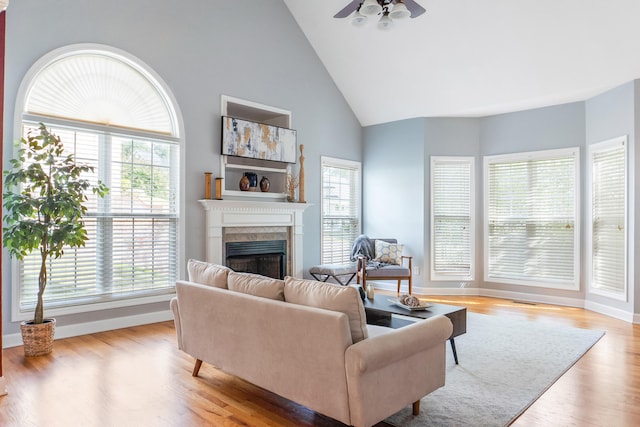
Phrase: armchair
x=384 y=271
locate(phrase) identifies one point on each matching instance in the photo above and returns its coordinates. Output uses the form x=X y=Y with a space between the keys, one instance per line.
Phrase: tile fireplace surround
x=254 y=219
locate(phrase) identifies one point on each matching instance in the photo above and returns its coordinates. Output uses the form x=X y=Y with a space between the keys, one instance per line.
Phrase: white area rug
x=505 y=365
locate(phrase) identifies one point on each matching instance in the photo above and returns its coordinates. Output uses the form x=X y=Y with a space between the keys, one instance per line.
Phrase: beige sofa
x=309 y=342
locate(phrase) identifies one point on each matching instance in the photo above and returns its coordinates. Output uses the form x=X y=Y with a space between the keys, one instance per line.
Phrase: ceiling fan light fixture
x=358 y=19
x=370 y=8
x=385 y=23
x=399 y=11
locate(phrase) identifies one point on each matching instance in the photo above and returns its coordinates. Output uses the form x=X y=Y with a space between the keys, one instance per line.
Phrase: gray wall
x=451 y=137
x=611 y=115
x=614 y=113
x=561 y=126
x=249 y=49
x=393 y=184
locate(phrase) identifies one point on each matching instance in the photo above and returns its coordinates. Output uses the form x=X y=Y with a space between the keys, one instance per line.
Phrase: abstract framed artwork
x=244 y=138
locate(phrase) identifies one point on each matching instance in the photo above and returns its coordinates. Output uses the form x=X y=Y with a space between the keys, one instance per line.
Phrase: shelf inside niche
x=254 y=164
x=232 y=167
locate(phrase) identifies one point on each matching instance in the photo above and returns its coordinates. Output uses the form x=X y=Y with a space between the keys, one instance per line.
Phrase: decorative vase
x=244 y=183
x=264 y=184
x=253 y=180
x=38 y=339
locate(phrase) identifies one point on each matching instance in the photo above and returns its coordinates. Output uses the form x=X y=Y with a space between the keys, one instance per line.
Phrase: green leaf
x=44 y=199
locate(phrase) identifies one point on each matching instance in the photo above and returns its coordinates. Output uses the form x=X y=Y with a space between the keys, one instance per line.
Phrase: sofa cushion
x=390 y=253
x=208 y=274
x=345 y=299
x=255 y=284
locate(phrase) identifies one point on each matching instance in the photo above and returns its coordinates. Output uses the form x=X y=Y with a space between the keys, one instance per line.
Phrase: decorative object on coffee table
x=301 y=176
x=380 y=312
x=370 y=291
x=408 y=300
x=264 y=184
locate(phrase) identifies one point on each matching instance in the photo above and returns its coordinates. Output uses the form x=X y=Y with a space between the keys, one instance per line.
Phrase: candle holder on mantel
x=207 y=185
x=219 y=188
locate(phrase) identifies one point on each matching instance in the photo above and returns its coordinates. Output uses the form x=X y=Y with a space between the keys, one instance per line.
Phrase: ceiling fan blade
x=348 y=9
x=415 y=9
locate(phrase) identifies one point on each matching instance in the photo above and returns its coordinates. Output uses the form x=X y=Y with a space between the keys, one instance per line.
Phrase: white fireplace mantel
x=220 y=214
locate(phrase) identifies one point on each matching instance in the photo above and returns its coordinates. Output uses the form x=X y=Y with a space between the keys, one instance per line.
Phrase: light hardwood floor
x=137 y=377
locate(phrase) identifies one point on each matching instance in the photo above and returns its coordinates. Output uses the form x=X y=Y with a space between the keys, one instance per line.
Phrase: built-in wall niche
x=233 y=168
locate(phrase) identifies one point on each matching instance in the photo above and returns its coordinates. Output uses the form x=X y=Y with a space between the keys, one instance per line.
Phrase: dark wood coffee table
x=379 y=311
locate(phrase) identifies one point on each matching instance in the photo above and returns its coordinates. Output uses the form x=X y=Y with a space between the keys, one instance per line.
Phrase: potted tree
x=44 y=205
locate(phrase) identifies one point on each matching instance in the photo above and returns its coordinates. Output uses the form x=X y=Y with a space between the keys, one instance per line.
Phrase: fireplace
x=265 y=257
x=228 y=221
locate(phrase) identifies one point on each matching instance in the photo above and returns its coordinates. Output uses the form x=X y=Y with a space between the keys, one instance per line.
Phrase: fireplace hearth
x=265 y=257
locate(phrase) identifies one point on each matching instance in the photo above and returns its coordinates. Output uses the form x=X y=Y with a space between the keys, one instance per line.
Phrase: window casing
x=607 y=211
x=531 y=219
x=452 y=218
x=132 y=253
x=341 y=195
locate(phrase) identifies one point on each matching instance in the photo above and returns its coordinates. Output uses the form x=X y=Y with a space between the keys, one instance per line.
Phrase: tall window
x=113 y=114
x=531 y=219
x=452 y=218
x=340 y=208
x=607 y=239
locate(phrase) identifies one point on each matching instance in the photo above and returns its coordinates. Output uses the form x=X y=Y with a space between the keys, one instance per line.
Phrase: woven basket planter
x=38 y=339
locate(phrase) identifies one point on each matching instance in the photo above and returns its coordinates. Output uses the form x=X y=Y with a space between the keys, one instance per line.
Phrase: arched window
x=114 y=113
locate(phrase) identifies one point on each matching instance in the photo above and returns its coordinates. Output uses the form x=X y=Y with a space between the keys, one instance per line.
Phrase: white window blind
x=103 y=88
x=608 y=200
x=340 y=208
x=531 y=219
x=132 y=231
x=130 y=139
x=452 y=218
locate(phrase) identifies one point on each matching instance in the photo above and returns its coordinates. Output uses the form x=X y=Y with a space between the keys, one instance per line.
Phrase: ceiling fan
x=391 y=9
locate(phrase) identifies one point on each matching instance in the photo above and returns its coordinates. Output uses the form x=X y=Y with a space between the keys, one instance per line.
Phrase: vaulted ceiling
x=471 y=58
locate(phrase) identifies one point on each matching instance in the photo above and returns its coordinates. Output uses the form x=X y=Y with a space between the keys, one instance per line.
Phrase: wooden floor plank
x=138 y=377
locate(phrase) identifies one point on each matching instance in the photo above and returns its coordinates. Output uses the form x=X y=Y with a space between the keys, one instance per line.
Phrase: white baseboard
x=420 y=290
x=518 y=296
x=449 y=291
x=612 y=312
x=543 y=299
x=14 y=340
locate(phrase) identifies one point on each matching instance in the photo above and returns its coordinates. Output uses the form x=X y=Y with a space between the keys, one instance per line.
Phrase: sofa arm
x=387 y=372
x=379 y=351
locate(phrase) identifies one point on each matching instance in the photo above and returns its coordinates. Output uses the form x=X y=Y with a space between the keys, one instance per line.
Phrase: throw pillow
x=255 y=284
x=390 y=253
x=345 y=299
x=208 y=274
